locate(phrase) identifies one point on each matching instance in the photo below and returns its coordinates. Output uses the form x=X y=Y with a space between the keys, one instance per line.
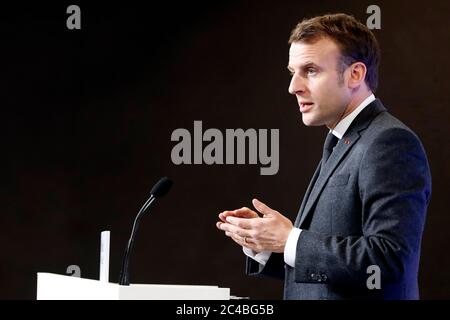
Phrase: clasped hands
x=247 y=228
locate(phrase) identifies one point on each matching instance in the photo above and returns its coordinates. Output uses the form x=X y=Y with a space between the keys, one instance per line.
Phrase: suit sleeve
x=394 y=188
x=273 y=268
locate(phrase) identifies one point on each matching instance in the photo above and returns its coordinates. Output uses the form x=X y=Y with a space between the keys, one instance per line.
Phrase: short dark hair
x=355 y=41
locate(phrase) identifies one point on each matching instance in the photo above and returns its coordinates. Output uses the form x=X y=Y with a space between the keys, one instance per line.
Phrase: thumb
x=264 y=209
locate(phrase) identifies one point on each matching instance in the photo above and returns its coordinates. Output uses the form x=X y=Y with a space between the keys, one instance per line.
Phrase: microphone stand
x=124 y=278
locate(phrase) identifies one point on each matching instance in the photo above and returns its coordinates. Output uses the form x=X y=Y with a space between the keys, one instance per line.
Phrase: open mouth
x=305 y=106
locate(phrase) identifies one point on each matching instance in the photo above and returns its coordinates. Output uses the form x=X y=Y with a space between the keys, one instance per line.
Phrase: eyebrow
x=304 y=66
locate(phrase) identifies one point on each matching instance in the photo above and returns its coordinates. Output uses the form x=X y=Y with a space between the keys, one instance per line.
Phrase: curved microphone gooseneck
x=159 y=190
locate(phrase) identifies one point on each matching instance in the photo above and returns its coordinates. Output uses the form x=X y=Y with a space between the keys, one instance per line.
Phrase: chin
x=310 y=121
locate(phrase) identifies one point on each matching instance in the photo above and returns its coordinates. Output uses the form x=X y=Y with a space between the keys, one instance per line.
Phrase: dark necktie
x=330 y=143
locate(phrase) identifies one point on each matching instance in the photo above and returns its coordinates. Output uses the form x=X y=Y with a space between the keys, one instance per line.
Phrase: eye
x=311 y=71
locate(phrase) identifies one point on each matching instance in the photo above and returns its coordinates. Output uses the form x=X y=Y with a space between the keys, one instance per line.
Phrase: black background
x=87 y=117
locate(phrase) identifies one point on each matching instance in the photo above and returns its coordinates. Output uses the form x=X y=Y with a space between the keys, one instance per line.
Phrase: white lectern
x=59 y=287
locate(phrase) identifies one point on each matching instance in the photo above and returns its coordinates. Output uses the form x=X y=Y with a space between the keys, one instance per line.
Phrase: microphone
x=159 y=190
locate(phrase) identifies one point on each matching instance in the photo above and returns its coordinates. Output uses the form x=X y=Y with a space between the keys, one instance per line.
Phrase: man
x=364 y=211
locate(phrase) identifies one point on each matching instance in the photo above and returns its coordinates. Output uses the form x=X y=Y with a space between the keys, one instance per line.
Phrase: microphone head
x=161 y=187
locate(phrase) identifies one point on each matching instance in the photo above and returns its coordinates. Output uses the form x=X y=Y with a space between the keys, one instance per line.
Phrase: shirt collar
x=342 y=126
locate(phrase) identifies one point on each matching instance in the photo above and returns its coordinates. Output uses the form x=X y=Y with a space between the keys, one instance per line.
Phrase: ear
x=357 y=76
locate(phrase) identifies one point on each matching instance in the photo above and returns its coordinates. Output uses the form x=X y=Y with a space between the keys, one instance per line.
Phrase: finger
x=242 y=241
x=263 y=208
x=242 y=212
x=242 y=223
x=233 y=229
x=237 y=213
x=245 y=213
x=224 y=214
x=237 y=240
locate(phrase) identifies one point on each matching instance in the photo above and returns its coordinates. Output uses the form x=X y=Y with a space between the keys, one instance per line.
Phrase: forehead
x=322 y=51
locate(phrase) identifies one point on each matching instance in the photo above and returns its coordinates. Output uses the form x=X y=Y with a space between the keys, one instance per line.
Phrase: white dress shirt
x=290 y=250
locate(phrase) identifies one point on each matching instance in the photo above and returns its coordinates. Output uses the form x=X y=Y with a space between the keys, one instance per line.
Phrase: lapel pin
x=346 y=141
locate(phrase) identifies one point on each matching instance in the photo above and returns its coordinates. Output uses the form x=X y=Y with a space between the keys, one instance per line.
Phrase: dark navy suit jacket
x=367 y=206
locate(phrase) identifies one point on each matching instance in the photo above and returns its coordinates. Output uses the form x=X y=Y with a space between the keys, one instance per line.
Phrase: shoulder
x=393 y=155
x=387 y=131
x=387 y=143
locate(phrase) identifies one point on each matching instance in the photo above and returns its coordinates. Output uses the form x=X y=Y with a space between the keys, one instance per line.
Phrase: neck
x=355 y=101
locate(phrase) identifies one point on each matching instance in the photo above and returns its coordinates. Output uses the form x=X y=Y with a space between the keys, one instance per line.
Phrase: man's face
x=320 y=89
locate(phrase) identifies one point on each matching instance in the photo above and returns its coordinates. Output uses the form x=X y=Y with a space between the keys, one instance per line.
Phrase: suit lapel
x=308 y=191
x=344 y=145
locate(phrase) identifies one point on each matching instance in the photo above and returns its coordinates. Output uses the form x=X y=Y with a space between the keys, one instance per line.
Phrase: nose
x=297 y=85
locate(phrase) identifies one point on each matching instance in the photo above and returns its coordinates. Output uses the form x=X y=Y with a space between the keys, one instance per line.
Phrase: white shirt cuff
x=261 y=257
x=290 y=250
